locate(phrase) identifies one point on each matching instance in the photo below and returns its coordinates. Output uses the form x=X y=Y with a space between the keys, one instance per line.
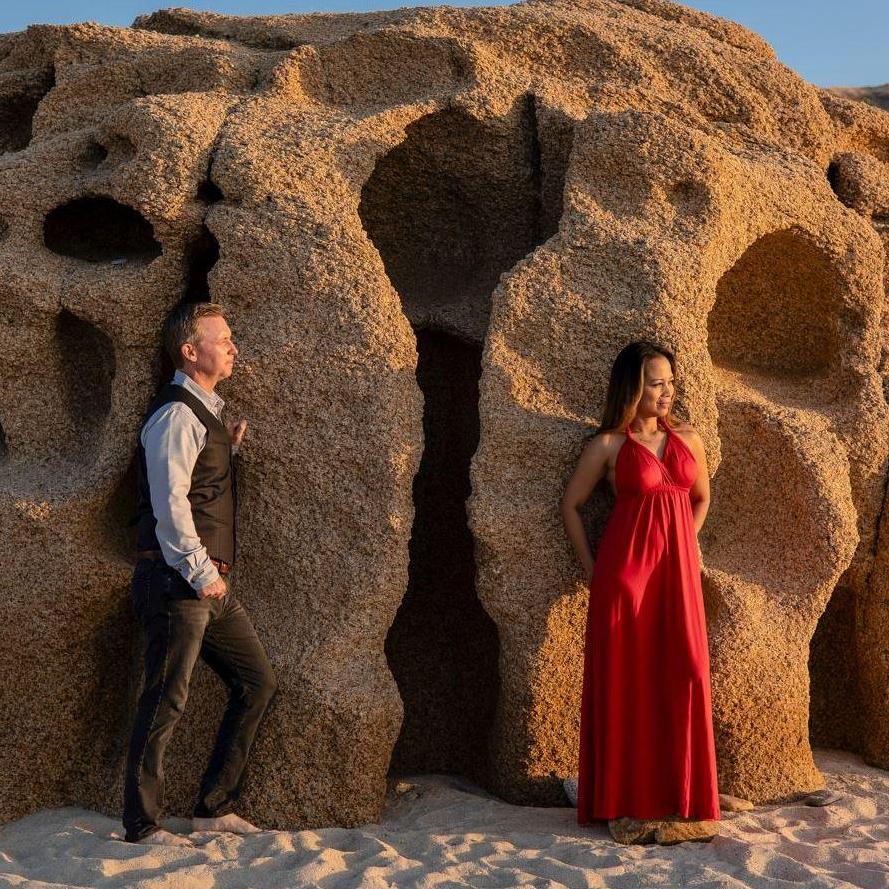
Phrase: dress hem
x=665 y=817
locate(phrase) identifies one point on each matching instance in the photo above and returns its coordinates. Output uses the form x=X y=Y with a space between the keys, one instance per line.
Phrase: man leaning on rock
x=186 y=542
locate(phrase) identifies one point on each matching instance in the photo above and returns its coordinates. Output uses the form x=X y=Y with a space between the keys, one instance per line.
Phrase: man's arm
x=173 y=437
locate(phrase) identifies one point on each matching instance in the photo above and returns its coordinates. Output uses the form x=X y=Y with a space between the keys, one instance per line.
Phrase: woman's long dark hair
x=626 y=383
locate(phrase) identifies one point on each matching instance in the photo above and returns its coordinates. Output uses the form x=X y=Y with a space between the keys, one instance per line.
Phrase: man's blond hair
x=181 y=327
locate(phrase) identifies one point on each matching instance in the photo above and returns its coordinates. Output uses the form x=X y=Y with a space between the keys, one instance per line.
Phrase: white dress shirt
x=172 y=438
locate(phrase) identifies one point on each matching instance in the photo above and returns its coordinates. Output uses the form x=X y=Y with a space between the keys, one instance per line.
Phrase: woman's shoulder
x=604 y=441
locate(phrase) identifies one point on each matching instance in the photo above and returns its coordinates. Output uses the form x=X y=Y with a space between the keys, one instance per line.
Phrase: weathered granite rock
x=873 y=95
x=434 y=229
x=632 y=831
x=672 y=832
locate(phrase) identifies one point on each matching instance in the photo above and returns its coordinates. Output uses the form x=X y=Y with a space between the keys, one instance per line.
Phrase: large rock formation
x=873 y=95
x=434 y=229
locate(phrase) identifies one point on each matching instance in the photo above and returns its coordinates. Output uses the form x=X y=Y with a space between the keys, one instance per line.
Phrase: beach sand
x=440 y=831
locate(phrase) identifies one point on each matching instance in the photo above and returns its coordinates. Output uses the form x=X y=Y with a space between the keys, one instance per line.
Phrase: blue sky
x=827 y=42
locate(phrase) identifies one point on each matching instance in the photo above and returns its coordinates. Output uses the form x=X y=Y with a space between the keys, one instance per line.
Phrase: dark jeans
x=179 y=627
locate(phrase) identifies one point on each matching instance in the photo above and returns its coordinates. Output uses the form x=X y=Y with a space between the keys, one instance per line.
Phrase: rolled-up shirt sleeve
x=172 y=438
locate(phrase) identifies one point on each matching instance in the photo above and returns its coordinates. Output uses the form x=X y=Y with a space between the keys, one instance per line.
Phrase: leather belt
x=157 y=556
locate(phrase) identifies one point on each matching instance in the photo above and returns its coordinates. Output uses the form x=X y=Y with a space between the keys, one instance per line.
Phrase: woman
x=646 y=733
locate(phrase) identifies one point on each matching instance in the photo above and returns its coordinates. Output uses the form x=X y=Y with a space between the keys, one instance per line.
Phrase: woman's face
x=657 y=389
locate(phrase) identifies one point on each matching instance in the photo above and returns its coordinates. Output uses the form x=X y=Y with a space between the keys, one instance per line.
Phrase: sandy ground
x=447 y=833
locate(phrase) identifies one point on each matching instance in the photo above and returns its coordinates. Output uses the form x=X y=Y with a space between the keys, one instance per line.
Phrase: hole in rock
x=201 y=255
x=833 y=676
x=833 y=176
x=775 y=312
x=18 y=108
x=442 y=646
x=459 y=202
x=93 y=155
x=120 y=148
x=99 y=229
x=209 y=192
x=450 y=209
x=86 y=369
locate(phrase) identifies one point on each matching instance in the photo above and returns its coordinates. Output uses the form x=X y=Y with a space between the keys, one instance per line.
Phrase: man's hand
x=236 y=430
x=215 y=590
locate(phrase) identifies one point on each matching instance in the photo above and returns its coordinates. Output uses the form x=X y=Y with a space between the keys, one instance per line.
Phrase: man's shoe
x=165 y=838
x=230 y=823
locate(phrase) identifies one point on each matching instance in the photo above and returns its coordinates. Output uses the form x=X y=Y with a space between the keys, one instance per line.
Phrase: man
x=186 y=542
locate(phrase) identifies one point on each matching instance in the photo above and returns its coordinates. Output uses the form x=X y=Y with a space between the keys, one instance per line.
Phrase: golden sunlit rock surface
x=434 y=229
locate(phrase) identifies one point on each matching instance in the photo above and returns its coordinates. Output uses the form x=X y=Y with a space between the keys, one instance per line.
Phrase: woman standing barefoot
x=646 y=733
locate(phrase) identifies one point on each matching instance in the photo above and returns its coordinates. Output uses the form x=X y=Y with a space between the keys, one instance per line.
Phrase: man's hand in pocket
x=215 y=590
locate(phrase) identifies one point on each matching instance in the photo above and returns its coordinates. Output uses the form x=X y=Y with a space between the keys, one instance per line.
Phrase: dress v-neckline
x=650 y=451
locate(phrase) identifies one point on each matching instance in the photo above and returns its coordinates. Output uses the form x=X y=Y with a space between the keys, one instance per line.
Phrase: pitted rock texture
x=434 y=229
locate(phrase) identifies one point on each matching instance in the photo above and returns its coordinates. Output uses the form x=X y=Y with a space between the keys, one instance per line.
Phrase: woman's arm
x=590 y=468
x=699 y=493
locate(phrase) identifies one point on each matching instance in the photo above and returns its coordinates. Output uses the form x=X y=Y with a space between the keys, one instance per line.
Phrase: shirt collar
x=210 y=399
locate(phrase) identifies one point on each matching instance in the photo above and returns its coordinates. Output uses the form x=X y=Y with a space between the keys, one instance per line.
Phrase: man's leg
x=174 y=620
x=233 y=650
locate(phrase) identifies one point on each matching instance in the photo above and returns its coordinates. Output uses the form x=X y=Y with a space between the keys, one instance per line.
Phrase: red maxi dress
x=646 y=730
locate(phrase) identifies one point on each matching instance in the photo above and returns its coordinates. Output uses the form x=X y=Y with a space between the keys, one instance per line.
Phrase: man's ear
x=188 y=352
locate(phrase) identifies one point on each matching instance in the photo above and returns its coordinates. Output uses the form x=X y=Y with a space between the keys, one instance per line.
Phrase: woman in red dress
x=646 y=731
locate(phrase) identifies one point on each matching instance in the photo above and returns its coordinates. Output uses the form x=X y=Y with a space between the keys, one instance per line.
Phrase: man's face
x=214 y=352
